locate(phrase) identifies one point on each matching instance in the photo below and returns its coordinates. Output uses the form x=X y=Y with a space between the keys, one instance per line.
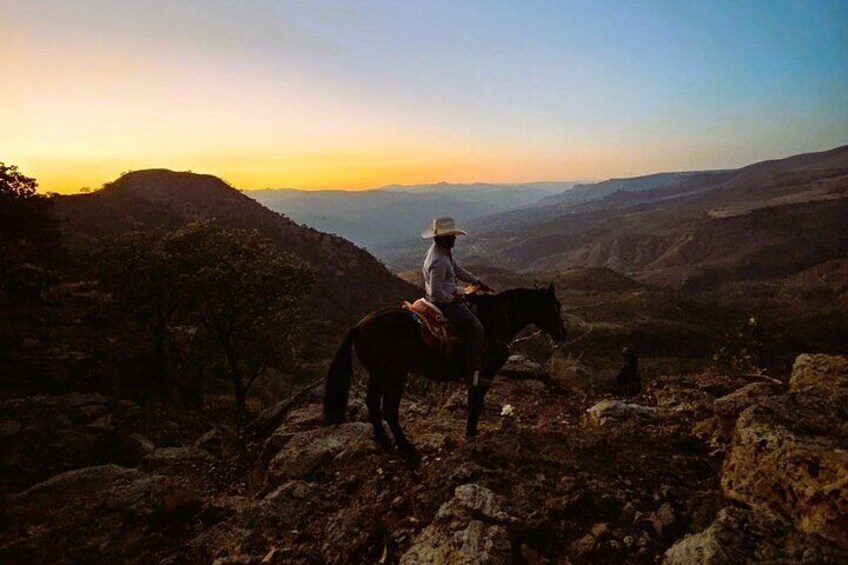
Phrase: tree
x=143 y=280
x=29 y=233
x=245 y=294
x=15 y=185
x=233 y=284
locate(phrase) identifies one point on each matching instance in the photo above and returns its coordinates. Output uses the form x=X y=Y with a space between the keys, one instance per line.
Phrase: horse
x=388 y=344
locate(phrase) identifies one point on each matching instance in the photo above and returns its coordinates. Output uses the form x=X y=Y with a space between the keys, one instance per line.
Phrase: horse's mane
x=494 y=309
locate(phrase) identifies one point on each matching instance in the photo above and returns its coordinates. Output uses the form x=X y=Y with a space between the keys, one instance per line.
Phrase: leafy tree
x=747 y=348
x=144 y=281
x=234 y=284
x=15 y=185
x=245 y=294
x=29 y=233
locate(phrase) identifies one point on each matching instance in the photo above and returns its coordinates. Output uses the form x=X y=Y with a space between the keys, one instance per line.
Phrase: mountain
x=350 y=281
x=381 y=218
x=686 y=230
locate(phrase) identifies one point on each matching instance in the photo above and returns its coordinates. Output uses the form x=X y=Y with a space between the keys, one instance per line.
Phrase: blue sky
x=351 y=95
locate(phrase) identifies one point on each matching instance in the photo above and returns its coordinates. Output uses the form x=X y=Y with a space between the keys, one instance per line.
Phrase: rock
x=663 y=519
x=468 y=529
x=309 y=417
x=306 y=451
x=137 y=448
x=211 y=442
x=299 y=490
x=731 y=405
x=790 y=455
x=811 y=371
x=96 y=514
x=617 y=411
x=282 y=415
x=188 y=456
x=520 y=367
x=744 y=536
x=9 y=427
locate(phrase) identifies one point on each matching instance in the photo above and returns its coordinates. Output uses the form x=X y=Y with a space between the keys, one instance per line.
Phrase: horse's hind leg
x=476 y=401
x=372 y=401
x=391 y=404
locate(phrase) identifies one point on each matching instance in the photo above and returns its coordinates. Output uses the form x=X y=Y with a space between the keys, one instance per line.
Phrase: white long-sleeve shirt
x=441 y=273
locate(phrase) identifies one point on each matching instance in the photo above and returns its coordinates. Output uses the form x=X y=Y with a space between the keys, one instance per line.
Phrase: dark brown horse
x=388 y=344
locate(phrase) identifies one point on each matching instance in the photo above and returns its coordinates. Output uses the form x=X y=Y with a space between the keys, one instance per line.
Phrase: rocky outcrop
x=731 y=405
x=811 y=371
x=117 y=508
x=741 y=535
x=51 y=433
x=301 y=454
x=520 y=367
x=468 y=529
x=608 y=411
x=789 y=453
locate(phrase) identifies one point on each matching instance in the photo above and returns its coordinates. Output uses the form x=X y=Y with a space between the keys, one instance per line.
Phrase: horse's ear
x=552 y=289
x=535 y=283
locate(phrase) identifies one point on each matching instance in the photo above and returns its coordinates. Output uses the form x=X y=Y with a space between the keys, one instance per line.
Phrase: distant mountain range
x=381 y=219
x=351 y=282
x=690 y=230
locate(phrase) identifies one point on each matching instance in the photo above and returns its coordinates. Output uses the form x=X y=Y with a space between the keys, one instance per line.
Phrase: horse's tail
x=338 y=381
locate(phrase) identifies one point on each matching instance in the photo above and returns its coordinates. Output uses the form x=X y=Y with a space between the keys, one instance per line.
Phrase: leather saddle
x=435 y=328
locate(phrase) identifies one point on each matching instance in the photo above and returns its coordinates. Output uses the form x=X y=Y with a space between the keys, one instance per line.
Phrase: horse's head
x=546 y=313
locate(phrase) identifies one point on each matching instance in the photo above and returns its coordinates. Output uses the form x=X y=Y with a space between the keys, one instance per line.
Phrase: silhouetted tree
x=29 y=233
x=234 y=284
x=143 y=278
x=245 y=294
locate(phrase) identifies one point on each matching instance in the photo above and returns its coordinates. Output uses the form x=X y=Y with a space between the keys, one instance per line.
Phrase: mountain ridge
x=350 y=280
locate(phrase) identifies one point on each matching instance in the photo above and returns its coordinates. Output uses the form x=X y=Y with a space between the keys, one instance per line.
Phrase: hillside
x=350 y=281
x=694 y=230
x=380 y=219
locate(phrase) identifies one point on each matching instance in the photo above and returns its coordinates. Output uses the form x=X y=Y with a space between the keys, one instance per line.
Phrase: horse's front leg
x=476 y=400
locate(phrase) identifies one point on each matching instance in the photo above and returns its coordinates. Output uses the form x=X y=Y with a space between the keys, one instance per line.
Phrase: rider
x=441 y=272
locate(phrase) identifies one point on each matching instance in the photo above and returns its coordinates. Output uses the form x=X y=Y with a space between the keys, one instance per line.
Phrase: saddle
x=435 y=328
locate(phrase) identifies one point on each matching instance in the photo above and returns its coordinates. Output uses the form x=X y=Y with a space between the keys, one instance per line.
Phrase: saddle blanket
x=434 y=326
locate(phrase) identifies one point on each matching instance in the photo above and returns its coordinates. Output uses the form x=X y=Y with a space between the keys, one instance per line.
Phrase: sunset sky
x=314 y=94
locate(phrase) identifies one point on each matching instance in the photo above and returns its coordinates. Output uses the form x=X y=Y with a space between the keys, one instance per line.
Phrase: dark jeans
x=469 y=327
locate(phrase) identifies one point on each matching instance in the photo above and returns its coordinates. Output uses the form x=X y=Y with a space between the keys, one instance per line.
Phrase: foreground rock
x=790 y=452
x=301 y=454
x=744 y=536
x=468 y=529
x=608 y=411
x=828 y=371
x=117 y=509
x=520 y=367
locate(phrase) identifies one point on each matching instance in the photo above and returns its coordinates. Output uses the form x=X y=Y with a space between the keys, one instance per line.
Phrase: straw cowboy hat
x=440 y=227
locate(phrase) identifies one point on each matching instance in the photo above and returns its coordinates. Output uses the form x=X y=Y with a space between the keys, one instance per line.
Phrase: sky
x=352 y=95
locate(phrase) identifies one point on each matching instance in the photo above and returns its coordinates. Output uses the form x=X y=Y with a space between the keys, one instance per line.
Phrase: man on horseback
x=441 y=272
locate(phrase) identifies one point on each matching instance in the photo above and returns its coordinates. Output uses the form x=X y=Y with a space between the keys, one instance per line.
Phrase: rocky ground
x=698 y=468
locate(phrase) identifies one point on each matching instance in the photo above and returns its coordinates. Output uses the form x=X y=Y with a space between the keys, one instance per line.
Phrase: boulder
x=521 y=367
x=608 y=411
x=136 y=448
x=163 y=457
x=744 y=536
x=469 y=529
x=96 y=514
x=211 y=442
x=304 y=452
x=810 y=371
x=790 y=455
x=733 y=404
x=308 y=417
